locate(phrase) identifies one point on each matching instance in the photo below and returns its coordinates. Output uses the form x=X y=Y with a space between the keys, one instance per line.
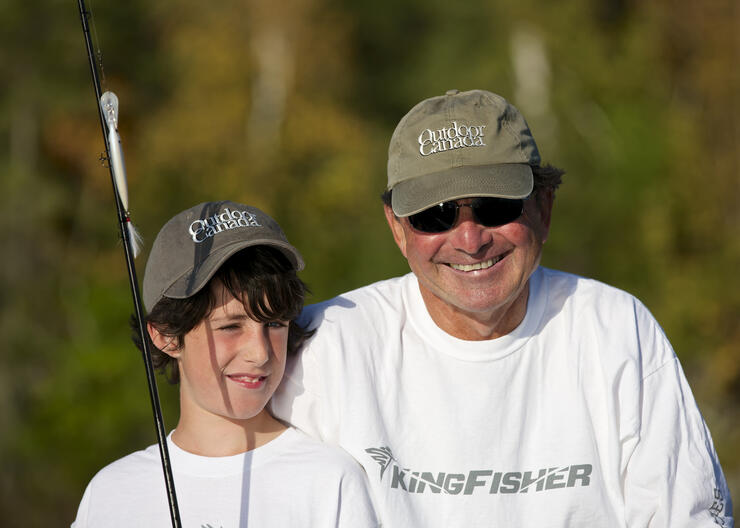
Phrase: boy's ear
x=166 y=344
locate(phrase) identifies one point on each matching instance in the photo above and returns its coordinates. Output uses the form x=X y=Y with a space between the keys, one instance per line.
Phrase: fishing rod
x=107 y=104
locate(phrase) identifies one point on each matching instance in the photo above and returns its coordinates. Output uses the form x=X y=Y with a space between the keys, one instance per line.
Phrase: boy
x=221 y=292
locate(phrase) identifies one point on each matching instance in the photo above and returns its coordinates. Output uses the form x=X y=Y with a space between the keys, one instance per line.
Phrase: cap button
x=452 y=92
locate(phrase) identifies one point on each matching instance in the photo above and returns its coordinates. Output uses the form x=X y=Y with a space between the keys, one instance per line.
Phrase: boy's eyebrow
x=230 y=317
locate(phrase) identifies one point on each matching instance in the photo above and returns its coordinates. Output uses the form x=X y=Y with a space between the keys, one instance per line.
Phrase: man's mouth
x=478 y=265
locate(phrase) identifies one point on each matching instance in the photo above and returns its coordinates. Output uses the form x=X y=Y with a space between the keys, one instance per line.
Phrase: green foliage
x=290 y=107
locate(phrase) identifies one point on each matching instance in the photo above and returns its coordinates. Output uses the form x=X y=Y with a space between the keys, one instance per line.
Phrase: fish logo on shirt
x=480 y=480
x=383 y=456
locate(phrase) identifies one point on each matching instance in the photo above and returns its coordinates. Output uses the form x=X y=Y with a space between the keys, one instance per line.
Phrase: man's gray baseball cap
x=193 y=245
x=459 y=145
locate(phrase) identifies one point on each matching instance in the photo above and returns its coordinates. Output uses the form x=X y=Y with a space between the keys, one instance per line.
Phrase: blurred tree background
x=289 y=106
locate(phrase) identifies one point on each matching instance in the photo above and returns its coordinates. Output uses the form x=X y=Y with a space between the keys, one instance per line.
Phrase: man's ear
x=166 y=344
x=545 y=199
x=399 y=235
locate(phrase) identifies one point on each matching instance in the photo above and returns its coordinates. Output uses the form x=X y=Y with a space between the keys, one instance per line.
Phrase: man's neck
x=476 y=326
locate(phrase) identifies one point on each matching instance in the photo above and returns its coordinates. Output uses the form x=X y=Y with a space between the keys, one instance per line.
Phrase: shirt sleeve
x=81 y=520
x=673 y=477
x=355 y=506
x=297 y=400
x=306 y=397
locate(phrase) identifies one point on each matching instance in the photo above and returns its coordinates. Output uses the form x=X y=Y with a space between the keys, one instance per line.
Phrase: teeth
x=476 y=266
x=247 y=378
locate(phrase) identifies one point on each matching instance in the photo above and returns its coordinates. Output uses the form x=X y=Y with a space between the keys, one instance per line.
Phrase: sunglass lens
x=436 y=219
x=492 y=212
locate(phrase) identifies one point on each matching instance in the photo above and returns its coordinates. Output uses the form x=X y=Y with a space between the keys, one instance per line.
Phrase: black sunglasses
x=488 y=212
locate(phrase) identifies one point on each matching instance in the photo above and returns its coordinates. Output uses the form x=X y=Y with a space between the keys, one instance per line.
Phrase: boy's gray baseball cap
x=458 y=145
x=194 y=244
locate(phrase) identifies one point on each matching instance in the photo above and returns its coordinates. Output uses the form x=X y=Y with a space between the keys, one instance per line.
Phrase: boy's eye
x=276 y=324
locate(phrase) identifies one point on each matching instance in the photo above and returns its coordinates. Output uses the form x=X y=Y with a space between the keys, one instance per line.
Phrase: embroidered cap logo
x=202 y=229
x=453 y=137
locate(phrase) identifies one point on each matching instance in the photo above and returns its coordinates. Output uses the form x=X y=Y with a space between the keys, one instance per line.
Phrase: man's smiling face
x=473 y=271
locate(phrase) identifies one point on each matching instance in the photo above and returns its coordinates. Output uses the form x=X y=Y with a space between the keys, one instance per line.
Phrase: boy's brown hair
x=261 y=276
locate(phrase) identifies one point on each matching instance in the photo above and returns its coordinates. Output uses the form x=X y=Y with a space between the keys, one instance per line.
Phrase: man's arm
x=673 y=477
x=298 y=400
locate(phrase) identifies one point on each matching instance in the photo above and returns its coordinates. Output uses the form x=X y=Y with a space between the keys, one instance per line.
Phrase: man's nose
x=468 y=235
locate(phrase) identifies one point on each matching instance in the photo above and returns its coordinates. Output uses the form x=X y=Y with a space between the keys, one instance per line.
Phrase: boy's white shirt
x=580 y=417
x=291 y=481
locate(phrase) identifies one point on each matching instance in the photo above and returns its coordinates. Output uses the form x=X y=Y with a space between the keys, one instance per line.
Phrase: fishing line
x=96 y=41
x=108 y=112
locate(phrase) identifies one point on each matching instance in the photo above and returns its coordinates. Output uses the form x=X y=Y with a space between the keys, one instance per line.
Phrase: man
x=482 y=389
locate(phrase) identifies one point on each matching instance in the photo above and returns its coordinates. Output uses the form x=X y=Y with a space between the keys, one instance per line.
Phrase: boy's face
x=230 y=364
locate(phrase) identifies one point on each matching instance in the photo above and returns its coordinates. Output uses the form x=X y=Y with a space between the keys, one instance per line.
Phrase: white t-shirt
x=291 y=481
x=580 y=417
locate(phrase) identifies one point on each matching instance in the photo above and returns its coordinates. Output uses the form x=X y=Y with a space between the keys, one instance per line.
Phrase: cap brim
x=511 y=180
x=193 y=281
